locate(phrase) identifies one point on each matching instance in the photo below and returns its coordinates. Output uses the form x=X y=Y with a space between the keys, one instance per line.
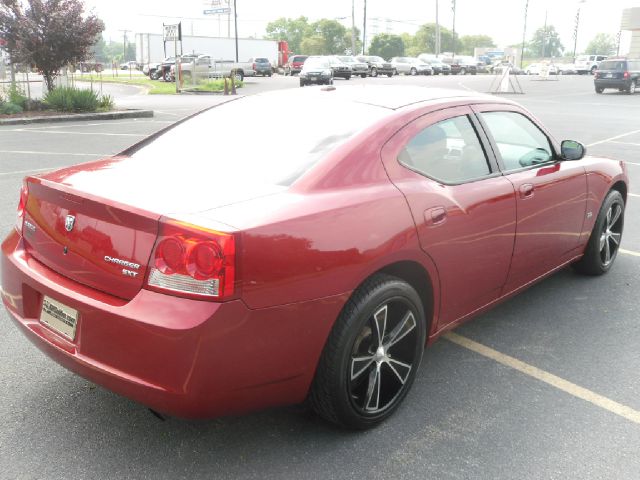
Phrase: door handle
x=435 y=216
x=526 y=190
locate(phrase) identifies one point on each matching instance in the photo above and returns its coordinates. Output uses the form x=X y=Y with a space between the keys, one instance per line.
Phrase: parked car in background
x=566 y=69
x=500 y=67
x=436 y=63
x=462 y=65
x=540 y=68
x=340 y=69
x=588 y=63
x=620 y=73
x=294 y=65
x=130 y=65
x=262 y=66
x=316 y=70
x=377 y=65
x=395 y=214
x=410 y=66
x=357 y=67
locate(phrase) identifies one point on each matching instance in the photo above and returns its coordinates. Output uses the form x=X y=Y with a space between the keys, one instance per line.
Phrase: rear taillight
x=625 y=75
x=193 y=262
x=22 y=206
x=253 y=67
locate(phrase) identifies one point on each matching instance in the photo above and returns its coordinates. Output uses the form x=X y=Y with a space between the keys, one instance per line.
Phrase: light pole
x=575 y=31
x=235 y=25
x=524 y=32
x=453 y=7
x=353 y=27
x=364 y=29
x=437 y=31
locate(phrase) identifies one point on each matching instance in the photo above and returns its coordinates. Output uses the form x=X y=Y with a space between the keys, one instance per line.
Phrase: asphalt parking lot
x=546 y=385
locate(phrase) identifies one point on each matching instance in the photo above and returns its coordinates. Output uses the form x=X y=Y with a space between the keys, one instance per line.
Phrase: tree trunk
x=49 y=78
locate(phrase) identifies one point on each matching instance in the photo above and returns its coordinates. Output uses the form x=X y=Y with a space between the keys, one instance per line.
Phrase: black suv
x=620 y=73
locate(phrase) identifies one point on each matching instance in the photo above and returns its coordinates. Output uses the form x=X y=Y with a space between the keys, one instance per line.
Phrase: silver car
x=357 y=67
x=410 y=66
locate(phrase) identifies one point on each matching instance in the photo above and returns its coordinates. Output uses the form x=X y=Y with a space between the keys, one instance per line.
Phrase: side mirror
x=572 y=150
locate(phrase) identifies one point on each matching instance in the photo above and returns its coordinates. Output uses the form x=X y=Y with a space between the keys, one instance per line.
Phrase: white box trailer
x=150 y=48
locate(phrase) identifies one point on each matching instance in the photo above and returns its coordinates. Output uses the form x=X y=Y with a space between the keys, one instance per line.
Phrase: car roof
x=391 y=97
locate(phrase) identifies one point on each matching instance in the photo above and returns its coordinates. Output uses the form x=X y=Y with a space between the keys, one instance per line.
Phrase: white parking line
x=632 y=163
x=546 y=377
x=29 y=152
x=33 y=170
x=629 y=252
x=626 y=143
x=633 y=194
x=613 y=138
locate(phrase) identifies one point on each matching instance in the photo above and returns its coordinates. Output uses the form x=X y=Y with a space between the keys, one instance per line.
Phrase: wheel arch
x=621 y=187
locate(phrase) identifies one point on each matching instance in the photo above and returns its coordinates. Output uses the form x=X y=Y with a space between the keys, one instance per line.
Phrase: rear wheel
x=390 y=74
x=605 y=239
x=463 y=71
x=364 y=75
x=371 y=357
x=632 y=88
x=301 y=83
x=599 y=89
x=413 y=71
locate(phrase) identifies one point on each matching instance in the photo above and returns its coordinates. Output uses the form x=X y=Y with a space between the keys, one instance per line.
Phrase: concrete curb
x=79 y=117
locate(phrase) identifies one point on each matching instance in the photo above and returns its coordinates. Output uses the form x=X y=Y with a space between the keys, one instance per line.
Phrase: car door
x=463 y=208
x=551 y=194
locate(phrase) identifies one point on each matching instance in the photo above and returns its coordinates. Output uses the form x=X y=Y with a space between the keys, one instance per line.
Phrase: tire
x=301 y=83
x=632 y=88
x=374 y=72
x=364 y=75
x=356 y=365
x=269 y=74
x=155 y=75
x=330 y=82
x=463 y=71
x=167 y=76
x=395 y=71
x=239 y=75
x=348 y=77
x=605 y=239
x=390 y=74
x=413 y=71
x=593 y=70
x=599 y=89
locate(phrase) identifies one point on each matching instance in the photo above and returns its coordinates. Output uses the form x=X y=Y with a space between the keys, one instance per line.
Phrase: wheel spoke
x=359 y=365
x=403 y=367
x=607 y=252
x=615 y=216
x=616 y=237
x=373 y=389
x=603 y=240
x=609 y=218
x=380 y=321
x=405 y=326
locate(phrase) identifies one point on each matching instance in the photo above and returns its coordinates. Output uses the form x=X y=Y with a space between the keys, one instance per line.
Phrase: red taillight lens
x=625 y=74
x=22 y=206
x=193 y=262
x=253 y=66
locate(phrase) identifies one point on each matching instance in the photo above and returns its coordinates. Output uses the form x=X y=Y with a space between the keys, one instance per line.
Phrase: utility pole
x=364 y=29
x=437 y=31
x=575 y=31
x=544 y=36
x=124 y=44
x=453 y=7
x=618 y=35
x=235 y=24
x=524 y=32
x=353 y=27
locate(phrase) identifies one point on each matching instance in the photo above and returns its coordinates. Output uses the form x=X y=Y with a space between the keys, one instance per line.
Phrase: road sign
x=172 y=32
x=216 y=11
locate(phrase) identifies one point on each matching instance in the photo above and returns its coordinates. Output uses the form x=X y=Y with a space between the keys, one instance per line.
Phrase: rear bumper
x=182 y=357
x=612 y=82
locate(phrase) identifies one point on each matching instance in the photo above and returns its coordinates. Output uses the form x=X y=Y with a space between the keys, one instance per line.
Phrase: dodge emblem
x=69 y=222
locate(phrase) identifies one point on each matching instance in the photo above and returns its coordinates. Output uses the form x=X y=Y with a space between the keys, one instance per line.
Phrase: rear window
x=298 y=59
x=613 y=65
x=262 y=60
x=214 y=145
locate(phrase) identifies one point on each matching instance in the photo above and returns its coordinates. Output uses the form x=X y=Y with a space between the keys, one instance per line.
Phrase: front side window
x=448 y=151
x=520 y=142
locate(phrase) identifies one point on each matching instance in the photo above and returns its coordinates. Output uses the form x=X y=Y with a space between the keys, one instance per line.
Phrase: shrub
x=71 y=99
x=10 y=108
x=16 y=96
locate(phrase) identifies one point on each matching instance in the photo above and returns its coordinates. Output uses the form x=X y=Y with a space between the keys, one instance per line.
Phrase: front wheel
x=374 y=72
x=463 y=71
x=364 y=75
x=301 y=83
x=371 y=357
x=413 y=71
x=605 y=239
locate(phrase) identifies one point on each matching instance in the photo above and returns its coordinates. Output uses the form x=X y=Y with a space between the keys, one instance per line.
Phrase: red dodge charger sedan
x=200 y=278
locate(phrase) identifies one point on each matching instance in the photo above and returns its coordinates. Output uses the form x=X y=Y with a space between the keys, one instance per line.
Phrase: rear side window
x=448 y=151
x=613 y=65
x=520 y=142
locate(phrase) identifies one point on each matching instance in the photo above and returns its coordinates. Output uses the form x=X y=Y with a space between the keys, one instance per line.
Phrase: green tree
x=545 y=43
x=424 y=41
x=48 y=33
x=469 y=42
x=347 y=40
x=314 y=45
x=292 y=30
x=601 y=44
x=334 y=35
x=386 y=46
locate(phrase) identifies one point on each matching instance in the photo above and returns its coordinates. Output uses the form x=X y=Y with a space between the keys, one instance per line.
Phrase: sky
x=503 y=20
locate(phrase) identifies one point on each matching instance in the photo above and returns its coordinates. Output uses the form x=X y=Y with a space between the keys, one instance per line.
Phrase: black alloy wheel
x=606 y=236
x=371 y=357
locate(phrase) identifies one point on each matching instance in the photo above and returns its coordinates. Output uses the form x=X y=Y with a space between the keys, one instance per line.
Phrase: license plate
x=314 y=78
x=609 y=75
x=59 y=317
